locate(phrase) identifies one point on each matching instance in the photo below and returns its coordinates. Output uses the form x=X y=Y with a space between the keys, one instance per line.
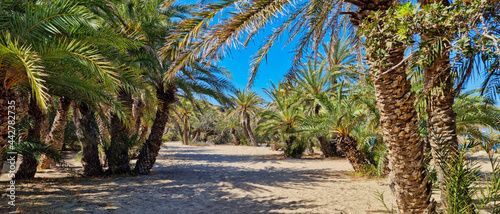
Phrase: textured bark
x=87 y=132
x=234 y=136
x=56 y=134
x=151 y=147
x=398 y=118
x=117 y=151
x=441 y=119
x=400 y=126
x=349 y=146
x=28 y=166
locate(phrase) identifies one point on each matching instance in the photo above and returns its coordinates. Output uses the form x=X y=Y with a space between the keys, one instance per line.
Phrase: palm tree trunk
x=233 y=135
x=87 y=133
x=185 y=130
x=441 y=119
x=117 y=152
x=349 y=146
x=151 y=147
x=27 y=169
x=400 y=126
x=249 y=130
x=398 y=117
x=56 y=133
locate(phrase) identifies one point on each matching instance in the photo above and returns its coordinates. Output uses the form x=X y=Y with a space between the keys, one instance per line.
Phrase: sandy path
x=214 y=179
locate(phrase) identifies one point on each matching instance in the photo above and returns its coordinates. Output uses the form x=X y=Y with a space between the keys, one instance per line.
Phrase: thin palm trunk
x=88 y=135
x=186 y=131
x=398 y=117
x=349 y=146
x=249 y=130
x=28 y=166
x=56 y=133
x=151 y=147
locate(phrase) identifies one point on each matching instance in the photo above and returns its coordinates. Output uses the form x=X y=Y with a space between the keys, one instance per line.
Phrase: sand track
x=212 y=179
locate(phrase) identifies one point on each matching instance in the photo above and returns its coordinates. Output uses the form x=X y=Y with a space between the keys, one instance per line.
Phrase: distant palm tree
x=284 y=117
x=340 y=115
x=246 y=106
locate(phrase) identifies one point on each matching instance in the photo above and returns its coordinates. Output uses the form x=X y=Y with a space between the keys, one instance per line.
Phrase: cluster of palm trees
x=100 y=64
x=120 y=70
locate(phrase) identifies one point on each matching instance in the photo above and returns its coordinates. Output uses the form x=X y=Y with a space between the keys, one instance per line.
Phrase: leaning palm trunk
x=398 y=117
x=56 y=134
x=27 y=169
x=151 y=147
x=349 y=146
x=249 y=130
x=87 y=133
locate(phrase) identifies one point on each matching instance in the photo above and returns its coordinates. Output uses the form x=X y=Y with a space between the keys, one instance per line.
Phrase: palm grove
x=379 y=82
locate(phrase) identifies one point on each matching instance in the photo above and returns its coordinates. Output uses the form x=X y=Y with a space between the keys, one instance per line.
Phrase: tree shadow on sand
x=200 y=186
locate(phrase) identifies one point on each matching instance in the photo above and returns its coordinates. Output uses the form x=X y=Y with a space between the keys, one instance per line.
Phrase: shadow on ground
x=194 y=182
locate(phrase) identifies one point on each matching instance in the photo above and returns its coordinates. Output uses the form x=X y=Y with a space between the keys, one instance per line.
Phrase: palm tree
x=246 y=105
x=283 y=118
x=340 y=115
x=197 y=77
x=314 y=81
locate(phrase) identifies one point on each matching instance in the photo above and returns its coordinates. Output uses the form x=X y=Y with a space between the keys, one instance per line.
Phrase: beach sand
x=209 y=179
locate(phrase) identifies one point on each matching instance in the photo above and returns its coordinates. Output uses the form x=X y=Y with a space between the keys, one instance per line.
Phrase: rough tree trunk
x=398 y=117
x=349 y=146
x=151 y=147
x=117 y=152
x=55 y=136
x=87 y=133
x=28 y=166
x=441 y=119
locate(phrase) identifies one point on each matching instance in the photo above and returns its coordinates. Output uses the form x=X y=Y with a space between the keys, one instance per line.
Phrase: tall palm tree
x=197 y=77
x=246 y=105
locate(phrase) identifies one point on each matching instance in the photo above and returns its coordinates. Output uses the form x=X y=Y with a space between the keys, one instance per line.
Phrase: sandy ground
x=212 y=179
